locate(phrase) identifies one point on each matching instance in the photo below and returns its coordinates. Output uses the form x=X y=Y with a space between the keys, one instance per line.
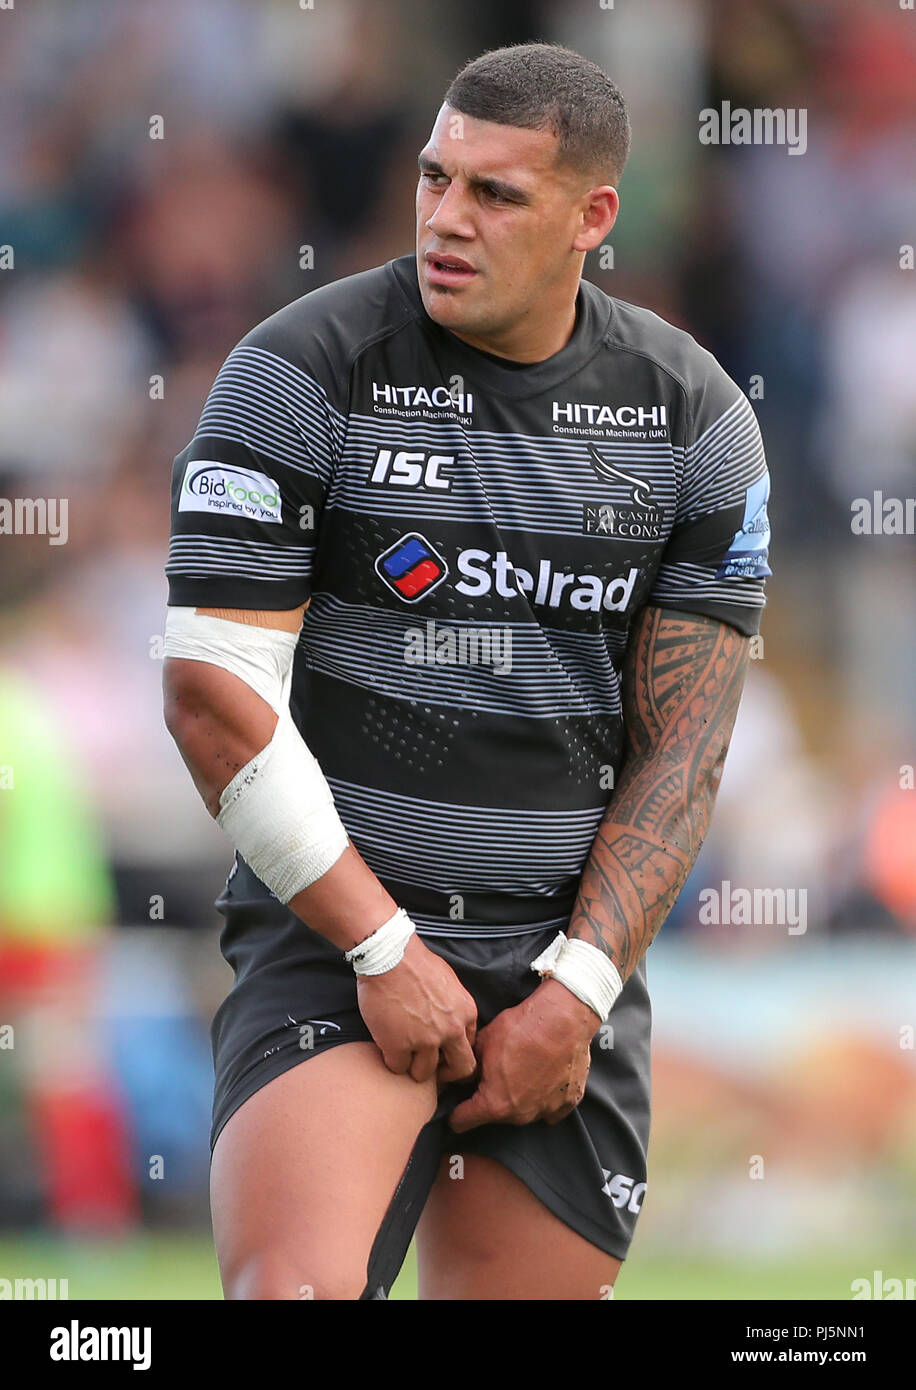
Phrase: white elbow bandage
x=584 y=970
x=278 y=810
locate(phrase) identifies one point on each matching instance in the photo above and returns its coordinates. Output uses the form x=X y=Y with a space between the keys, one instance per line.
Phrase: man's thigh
x=303 y=1173
x=485 y=1235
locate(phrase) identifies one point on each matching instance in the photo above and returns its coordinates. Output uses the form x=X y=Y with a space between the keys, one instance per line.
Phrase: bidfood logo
x=219 y=487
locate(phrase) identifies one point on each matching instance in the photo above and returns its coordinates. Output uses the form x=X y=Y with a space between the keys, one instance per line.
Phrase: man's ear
x=598 y=217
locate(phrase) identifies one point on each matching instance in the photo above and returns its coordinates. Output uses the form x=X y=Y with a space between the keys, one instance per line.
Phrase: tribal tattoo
x=682 y=683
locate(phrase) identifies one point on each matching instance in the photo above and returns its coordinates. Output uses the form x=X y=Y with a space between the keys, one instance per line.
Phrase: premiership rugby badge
x=411 y=568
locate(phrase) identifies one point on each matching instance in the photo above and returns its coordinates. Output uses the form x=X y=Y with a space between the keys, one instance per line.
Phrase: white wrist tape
x=584 y=970
x=278 y=810
x=384 y=949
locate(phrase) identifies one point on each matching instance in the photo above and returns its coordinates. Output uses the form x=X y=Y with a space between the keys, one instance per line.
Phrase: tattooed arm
x=682 y=682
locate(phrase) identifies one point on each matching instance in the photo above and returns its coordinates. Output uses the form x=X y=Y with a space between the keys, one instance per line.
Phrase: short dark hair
x=544 y=86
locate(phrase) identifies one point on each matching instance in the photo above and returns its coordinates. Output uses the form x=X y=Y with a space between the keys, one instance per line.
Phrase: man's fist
x=421 y=1016
x=534 y=1061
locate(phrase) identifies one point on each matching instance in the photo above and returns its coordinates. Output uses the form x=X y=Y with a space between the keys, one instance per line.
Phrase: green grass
x=155 y=1266
x=184 y=1267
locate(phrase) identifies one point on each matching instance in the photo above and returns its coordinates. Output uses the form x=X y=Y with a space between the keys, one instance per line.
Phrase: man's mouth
x=447 y=270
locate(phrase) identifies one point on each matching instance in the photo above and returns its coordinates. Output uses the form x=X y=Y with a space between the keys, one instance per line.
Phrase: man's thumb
x=469 y=1114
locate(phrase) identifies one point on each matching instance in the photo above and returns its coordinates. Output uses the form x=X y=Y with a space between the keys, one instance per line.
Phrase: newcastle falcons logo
x=604 y=469
x=603 y=523
x=638 y=520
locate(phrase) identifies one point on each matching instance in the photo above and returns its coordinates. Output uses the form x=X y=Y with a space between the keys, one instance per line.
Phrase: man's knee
x=271 y=1275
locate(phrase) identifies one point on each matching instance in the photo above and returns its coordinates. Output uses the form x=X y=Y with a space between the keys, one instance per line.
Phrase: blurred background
x=163 y=170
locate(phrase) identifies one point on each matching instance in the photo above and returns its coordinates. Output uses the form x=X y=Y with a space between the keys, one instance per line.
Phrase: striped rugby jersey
x=475 y=537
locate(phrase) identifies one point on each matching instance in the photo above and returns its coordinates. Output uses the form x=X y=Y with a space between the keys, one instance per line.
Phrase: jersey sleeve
x=716 y=559
x=248 y=491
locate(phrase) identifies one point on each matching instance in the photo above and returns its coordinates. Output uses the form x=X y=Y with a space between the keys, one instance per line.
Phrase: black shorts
x=295 y=995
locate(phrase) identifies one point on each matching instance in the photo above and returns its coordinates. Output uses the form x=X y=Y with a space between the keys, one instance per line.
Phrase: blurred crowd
x=171 y=174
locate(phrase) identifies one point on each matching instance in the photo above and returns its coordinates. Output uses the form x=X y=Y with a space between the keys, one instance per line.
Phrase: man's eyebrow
x=498 y=186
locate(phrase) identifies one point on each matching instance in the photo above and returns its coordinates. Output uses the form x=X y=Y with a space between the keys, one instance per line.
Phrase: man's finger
x=470 y=1113
x=458 y=1060
x=397 y=1059
x=424 y=1062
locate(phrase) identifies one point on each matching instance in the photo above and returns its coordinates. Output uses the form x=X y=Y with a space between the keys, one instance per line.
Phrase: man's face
x=497 y=225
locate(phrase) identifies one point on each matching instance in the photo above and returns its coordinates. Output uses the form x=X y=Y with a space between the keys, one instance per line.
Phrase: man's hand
x=534 y=1061
x=421 y=1016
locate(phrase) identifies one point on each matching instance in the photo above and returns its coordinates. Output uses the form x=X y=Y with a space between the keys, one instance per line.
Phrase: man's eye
x=431 y=178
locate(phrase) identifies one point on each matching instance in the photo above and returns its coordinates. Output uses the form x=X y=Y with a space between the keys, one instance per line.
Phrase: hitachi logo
x=414 y=396
x=623 y=417
x=549 y=587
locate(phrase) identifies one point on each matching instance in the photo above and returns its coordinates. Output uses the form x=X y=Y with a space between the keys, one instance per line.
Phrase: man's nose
x=452 y=214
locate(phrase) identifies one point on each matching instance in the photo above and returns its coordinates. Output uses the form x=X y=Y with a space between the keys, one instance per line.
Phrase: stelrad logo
x=411 y=568
x=481 y=572
x=220 y=487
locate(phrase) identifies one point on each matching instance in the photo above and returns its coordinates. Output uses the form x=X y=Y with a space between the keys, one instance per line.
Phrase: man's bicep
x=683 y=678
x=224 y=686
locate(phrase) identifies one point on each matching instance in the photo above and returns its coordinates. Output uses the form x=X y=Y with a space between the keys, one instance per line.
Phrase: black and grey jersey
x=474 y=538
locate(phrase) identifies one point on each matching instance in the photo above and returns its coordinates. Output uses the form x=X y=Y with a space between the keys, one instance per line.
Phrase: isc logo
x=411 y=468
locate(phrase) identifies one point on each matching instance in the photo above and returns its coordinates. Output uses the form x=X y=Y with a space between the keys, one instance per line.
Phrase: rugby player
x=447 y=876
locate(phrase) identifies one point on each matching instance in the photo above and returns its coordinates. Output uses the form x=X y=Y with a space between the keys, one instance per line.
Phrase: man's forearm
x=219 y=724
x=682 y=685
